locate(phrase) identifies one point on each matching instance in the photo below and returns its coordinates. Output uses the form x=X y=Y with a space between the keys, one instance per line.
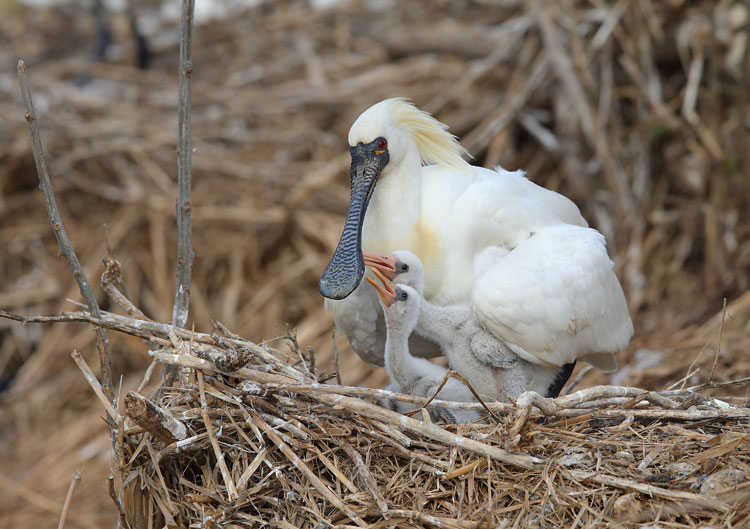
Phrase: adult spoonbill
x=415 y=376
x=491 y=367
x=537 y=277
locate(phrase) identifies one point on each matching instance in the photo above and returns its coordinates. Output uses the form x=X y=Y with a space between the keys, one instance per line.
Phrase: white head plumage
x=398 y=118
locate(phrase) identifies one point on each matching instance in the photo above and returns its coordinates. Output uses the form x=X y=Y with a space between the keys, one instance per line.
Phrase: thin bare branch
x=66 y=248
x=183 y=207
x=113 y=494
x=428 y=430
x=157 y=332
x=582 y=373
x=714 y=385
x=185 y=254
x=612 y=481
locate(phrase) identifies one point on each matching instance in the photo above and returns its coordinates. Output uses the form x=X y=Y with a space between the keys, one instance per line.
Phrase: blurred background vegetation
x=636 y=110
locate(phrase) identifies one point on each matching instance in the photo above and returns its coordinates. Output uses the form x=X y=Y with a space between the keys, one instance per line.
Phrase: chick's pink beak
x=385 y=263
x=386 y=291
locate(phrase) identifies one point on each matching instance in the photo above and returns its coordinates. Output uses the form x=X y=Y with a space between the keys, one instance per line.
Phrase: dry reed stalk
x=74 y=481
x=39 y=501
x=95 y=385
x=651 y=490
x=366 y=476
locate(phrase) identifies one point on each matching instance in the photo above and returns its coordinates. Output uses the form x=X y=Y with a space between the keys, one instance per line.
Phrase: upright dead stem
x=66 y=248
x=185 y=255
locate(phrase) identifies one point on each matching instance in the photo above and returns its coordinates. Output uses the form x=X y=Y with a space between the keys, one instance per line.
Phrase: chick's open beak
x=386 y=264
x=386 y=291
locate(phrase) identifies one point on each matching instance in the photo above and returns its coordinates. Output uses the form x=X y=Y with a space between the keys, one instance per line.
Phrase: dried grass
x=256 y=453
x=263 y=440
x=275 y=90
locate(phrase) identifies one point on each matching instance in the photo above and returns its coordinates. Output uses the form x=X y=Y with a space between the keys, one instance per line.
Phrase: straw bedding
x=255 y=437
x=254 y=440
x=274 y=447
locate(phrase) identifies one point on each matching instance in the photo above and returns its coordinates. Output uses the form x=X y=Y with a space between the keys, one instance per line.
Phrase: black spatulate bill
x=347 y=266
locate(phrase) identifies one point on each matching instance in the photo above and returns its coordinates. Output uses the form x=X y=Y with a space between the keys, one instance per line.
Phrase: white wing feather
x=555 y=297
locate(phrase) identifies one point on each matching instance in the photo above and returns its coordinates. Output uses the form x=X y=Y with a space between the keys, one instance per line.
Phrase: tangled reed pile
x=252 y=437
x=635 y=110
x=268 y=444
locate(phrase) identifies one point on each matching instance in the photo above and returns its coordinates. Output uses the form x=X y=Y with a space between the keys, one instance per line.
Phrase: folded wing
x=555 y=298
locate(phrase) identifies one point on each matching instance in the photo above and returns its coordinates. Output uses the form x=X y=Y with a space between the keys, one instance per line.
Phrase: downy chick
x=493 y=369
x=410 y=375
x=359 y=319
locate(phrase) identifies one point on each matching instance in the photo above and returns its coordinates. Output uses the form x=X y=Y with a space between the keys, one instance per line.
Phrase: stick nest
x=271 y=444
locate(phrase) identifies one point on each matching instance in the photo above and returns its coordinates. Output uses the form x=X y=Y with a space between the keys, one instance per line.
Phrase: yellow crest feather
x=435 y=144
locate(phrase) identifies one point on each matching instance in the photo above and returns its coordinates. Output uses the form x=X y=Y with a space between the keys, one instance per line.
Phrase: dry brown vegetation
x=638 y=111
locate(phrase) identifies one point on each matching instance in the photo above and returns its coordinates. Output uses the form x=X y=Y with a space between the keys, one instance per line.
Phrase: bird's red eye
x=382 y=144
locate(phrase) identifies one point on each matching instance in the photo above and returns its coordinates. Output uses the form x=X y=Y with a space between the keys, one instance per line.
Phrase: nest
x=255 y=437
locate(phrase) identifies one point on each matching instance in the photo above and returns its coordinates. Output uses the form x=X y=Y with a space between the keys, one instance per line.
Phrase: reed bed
x=637 y=111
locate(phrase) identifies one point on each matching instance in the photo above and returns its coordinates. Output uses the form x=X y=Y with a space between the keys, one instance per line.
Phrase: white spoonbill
x=491 y=367
x=538 y=278
x=410 y=375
